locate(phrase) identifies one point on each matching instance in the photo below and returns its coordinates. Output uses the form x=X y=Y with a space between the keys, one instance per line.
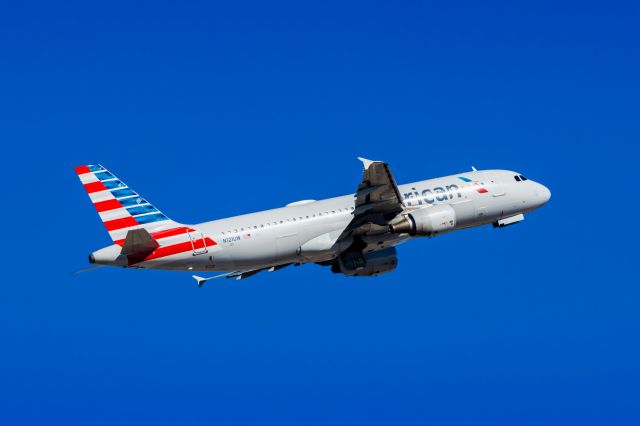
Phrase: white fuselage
x=307 y=231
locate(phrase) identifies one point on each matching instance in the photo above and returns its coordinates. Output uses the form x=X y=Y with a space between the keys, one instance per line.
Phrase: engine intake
x=427 y=221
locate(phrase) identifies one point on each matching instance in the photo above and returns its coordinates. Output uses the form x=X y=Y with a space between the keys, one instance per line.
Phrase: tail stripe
x=146 y=208
x=120 y=193
x=94 y=187
x=88 y=178
x=104 y=176
x=131 y=201
x=125 y=222
x=103 y=206
x=80 y=170
x=120 y=207
x=113 y=214
x=100 y=196
x=155 y=217
x=113 y=184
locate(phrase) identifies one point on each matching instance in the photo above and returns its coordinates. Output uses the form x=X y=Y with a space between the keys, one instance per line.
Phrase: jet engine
x=367 y=264
x=427 y=221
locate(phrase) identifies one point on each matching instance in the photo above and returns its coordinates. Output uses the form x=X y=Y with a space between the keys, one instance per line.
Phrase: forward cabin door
x=494 y=204
x=198 y=243
x=495 y=185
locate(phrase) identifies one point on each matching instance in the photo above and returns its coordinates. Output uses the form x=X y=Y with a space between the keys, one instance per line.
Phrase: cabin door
x=198 y=244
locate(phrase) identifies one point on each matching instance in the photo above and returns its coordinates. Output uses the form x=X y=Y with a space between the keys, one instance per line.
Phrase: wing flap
x=378 y=190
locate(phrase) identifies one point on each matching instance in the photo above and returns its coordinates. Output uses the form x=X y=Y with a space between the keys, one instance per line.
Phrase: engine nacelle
x=375 y=263
x=426 y=221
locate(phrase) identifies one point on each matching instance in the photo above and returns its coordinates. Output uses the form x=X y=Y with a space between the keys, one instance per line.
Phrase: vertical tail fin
x=120 y=208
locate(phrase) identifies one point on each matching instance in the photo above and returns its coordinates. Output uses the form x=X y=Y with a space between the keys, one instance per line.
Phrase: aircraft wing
x=238 y=275
x=378 y=200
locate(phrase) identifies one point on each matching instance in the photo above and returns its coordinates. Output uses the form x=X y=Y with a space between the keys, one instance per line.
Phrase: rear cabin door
x=198 y=243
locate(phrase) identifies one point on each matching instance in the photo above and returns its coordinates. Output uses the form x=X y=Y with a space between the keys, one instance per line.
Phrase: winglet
x=90 y=268
x=202 y=280
x=366 y=162
x=199 y=280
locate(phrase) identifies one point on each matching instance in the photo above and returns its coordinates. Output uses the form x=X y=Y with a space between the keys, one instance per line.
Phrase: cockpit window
x=517 y=178
x=522 y=177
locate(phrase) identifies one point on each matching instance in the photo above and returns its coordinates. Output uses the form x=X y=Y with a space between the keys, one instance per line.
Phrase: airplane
x=355 y=235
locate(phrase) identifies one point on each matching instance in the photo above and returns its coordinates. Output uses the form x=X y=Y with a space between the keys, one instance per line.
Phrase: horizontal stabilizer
x=138 y=241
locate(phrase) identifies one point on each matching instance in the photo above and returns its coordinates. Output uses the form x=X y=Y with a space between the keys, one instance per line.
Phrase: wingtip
x=90 y=268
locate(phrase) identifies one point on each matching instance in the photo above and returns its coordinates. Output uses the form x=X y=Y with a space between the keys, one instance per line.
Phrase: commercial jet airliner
x=354 y=235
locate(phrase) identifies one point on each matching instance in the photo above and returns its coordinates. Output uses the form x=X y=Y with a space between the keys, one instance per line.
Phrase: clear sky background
x=216 y=109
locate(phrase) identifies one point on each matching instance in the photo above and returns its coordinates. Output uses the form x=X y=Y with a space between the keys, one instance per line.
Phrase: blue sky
x=216 y=109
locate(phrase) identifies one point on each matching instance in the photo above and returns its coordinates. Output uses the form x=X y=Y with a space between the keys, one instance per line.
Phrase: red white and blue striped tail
x=120 y=207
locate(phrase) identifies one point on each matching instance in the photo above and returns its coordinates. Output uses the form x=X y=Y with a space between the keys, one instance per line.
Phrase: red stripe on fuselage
x=94 y=187
x=103 y=206
x=183 y=247
x=125 y=222
x=82 y=170
x=164 y=234
x=171 y=232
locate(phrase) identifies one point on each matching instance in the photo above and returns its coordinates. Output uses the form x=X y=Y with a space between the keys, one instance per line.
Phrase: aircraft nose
x=544 y=193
